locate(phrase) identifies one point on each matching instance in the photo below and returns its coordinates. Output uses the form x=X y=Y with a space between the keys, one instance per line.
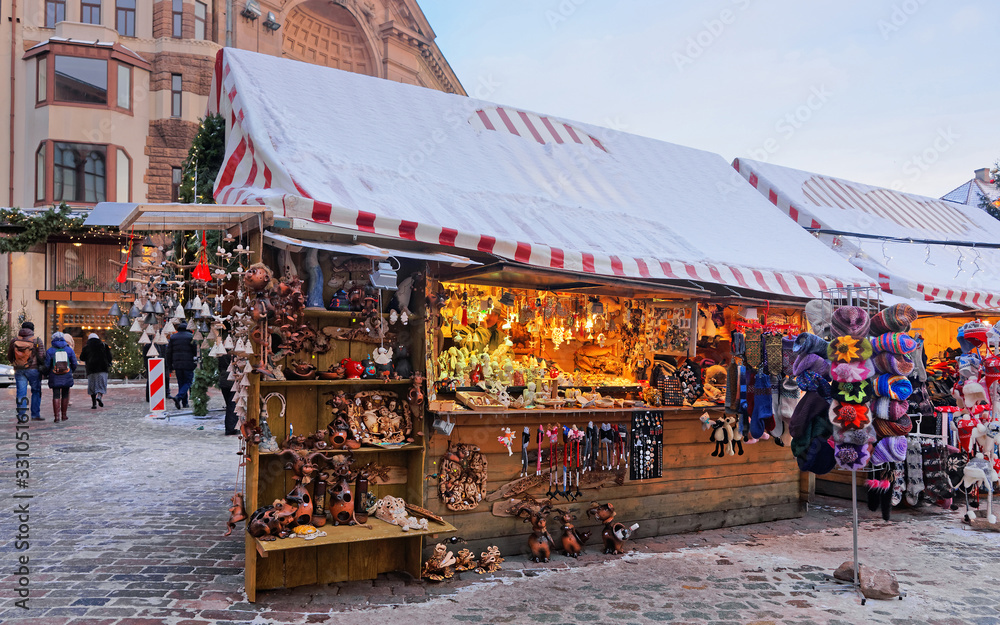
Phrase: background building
x=106 y=95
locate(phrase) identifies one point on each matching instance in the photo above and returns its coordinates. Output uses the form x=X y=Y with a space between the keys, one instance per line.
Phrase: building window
x=40 y=173
x=78 y=173
x=123 y=173
x=175 y=184
x=90 y=11
x=81 y=80
x=125 y=17
x=124 y=87
x=177 y=19
x=55 y=12
x=175 y=95
x=200 y=18
x=42 y=84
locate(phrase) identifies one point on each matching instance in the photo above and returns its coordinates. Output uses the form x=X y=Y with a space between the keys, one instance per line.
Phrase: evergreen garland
x=35 y=227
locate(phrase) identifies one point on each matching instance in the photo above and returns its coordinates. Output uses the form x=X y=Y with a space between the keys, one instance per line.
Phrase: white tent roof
x=403 y=161
x=965 y=275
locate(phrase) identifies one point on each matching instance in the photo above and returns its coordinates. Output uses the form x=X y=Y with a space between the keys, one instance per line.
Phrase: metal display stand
x=869 y=299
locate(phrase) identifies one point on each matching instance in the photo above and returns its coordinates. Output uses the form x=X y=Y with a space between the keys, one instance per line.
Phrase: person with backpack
x=180 y=358
x=97 y=356
x=60 y=362
x=25 y=353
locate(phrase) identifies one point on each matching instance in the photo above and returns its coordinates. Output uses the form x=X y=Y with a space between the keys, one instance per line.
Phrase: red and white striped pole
x=157 y=386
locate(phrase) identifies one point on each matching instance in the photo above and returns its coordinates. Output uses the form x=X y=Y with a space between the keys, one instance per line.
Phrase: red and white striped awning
x=960 y=274
x=385 y=158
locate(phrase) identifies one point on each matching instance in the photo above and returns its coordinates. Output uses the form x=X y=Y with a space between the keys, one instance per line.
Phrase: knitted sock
x=874 y=493
x=754 y=349
x=914 y=473
x=772 y=347
x=886 y=503
x=917 y=356
x=898 y=484
x=778 y=428
x=738 y=343
x=762 y=408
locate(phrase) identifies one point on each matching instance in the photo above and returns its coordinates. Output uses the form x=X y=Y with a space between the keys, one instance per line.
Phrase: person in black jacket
x=180 y=358
x=97 y=356
x=226 y=386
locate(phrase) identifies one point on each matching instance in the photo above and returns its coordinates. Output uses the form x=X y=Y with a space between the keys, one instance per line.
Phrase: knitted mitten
x=762 y=408
x=914 y=472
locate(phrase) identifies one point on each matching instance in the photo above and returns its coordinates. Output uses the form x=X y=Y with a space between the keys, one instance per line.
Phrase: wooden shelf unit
x=346 y=553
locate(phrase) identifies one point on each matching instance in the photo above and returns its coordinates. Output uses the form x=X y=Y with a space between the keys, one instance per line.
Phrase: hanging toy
x=201 y=271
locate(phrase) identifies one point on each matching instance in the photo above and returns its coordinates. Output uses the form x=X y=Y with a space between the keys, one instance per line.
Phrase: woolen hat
x=818 y=457
x=806 y=343
x=852 y=392
x=859 y=436
x=849 y=416
x=896 y=318
x=847 y=348
x=893 y=386
x=811 y=362
x=897 y=364
x=850 y=320
x=851 y=371
x=92 y=336
x=889 y=409
x=895 y=342
x=851 y=457
x=973 y=393
x=818 y=313
x=884 y=428
x=812 y=405
x=889 y=449
x=812 y=381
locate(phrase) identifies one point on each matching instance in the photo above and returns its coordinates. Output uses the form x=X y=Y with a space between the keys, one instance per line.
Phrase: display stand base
x=832 y=584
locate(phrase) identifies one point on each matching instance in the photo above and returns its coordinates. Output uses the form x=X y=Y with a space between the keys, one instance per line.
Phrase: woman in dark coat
x=97 y=355
x=60 y=362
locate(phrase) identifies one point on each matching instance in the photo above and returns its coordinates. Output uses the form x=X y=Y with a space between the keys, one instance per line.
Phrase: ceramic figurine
x=401 y=364
x=393 y=510
x=341 y=501
x=339 y=434
x=339 y=301
x=315 y=271
x=529 y=395
x=539 y=542
x=489 y=560
x=440 y=566
x=614 y=534
x=319 y=500
x=353 y=368
x=383 y=362
x=257 y=277
x=237 y=513
x=368 y=371
x=465 y=560
x=571 y=541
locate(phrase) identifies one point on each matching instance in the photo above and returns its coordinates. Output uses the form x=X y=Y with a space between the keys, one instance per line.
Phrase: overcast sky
x=899 y=93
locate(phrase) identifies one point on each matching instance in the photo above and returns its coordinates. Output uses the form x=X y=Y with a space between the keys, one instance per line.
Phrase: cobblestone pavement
x=128 y=512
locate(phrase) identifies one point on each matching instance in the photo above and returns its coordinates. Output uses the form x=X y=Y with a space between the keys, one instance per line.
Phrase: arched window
x=78 y=173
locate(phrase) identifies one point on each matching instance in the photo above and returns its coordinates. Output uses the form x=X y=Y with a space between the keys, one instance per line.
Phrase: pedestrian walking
x=60 y=362
x=97 y=356
x=180 y=359
x=226 y=386
x=26 y=353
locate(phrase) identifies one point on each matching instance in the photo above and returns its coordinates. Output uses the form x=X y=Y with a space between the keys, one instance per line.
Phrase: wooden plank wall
x=696 y=491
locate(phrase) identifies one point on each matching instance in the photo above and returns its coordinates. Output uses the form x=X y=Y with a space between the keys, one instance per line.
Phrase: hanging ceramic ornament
x=205 y=310
x=196 y=303
x=228 y=343
x=136 y=326
x=144 y=339
x=159 y=339
x=168 y=327
x=247 y=367
x=206 y=344
x=179 y=313
x=213 y=333
x=198 y=336
x=123 y=274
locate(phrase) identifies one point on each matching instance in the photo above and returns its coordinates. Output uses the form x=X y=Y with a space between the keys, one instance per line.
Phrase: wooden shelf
x=343 y=314
x=523 y=411
x=340 y=534
x=362 y=450
x=365 y=383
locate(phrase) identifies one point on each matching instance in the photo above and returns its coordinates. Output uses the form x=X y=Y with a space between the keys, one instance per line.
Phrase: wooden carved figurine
x=440 y=566
x=571 y=541
x=614 y=534
x=540 y=542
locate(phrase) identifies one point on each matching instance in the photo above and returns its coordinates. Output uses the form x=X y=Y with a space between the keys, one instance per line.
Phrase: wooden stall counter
x=696 y=491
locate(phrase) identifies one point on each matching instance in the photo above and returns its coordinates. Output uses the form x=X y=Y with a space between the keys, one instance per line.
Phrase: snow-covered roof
x=966 y=275
x=971 y=192
x=377 y=156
